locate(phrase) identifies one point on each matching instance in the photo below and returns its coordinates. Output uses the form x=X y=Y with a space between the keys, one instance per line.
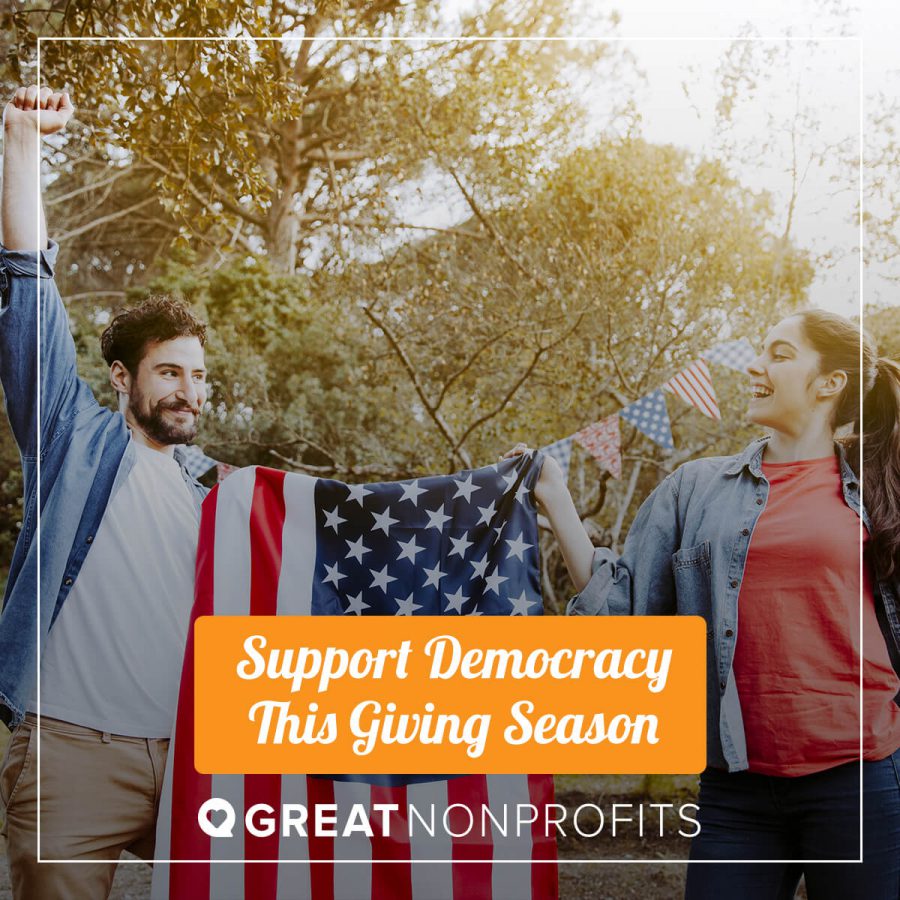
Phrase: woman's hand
x=552 y=493
x=551 y=484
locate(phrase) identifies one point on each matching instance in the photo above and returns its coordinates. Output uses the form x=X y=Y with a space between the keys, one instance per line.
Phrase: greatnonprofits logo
x=217 y=818
x=208 y=810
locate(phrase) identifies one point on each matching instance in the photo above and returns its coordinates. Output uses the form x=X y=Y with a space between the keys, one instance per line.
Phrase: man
x=119 y=521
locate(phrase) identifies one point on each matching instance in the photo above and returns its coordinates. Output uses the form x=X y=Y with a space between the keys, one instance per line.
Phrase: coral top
x=797 y=658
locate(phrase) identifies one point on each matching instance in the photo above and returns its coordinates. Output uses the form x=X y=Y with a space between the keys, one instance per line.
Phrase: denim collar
x=751 y=459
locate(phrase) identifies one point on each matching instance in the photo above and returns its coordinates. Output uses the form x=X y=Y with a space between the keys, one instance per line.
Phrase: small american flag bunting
x=603 y=441
x=694 y=385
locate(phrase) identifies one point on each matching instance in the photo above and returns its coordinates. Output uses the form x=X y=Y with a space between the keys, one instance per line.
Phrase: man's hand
x=43 y=111
x=29 y=115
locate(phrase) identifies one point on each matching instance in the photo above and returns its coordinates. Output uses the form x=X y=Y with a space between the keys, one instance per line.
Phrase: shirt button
x=68 y=582
x=745 y=531
x=729 y=632
x=759 y=501
x=90 y=539
x=734 y=582
x=722 y=685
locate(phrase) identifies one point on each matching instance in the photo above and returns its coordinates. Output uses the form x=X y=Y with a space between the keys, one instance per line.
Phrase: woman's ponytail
x=837 y=341
x=881 y=466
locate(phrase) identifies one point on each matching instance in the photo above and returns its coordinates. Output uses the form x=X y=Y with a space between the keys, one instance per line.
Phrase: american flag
x=286 y=544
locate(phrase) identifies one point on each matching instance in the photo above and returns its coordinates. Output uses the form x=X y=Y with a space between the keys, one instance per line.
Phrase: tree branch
x=434 y=414
x=82 y=229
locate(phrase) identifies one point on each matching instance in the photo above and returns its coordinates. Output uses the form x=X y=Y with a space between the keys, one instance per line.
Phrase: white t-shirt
x=113 y=658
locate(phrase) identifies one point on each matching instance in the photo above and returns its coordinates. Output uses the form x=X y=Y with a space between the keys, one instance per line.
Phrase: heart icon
x=211 y=807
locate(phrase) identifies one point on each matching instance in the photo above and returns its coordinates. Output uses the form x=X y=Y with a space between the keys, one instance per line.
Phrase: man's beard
x=156 y=427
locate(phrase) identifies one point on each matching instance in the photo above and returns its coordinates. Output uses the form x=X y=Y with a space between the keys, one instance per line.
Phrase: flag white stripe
x=688 y=390
x=694 y=386
x=231 y=572
x=688 y=380
x=298 y=547
x=294 y=878
x=159 y=888
x=505 y=792
x=352 y=880
x=231 y=590
x=228 y=880
x=430 y=882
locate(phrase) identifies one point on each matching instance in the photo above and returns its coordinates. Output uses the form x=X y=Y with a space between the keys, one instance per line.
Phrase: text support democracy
x=449 y=659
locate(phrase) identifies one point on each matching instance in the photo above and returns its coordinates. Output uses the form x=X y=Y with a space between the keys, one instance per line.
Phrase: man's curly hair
x=158 y=318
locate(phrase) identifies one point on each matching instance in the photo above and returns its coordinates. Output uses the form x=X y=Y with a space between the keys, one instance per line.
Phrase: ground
x=576 y=882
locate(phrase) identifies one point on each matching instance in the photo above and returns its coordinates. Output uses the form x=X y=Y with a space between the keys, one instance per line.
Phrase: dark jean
x=746 y=816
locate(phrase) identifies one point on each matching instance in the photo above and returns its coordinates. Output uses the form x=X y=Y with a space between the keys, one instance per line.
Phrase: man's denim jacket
x=685 y=554
x=85 y=454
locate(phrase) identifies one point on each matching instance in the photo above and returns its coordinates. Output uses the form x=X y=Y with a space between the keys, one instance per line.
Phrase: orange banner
x=418 y=695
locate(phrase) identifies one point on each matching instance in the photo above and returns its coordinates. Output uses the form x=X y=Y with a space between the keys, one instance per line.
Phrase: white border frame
x=859 y=41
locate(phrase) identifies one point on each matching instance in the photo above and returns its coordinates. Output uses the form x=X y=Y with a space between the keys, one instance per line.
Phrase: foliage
x=290 y=144
x=291 y=379
x=575 y=298
x=884 y=327
x=412 y=254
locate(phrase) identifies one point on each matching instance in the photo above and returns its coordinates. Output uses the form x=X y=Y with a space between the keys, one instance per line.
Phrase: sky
x=830 y=76
x=679 y=45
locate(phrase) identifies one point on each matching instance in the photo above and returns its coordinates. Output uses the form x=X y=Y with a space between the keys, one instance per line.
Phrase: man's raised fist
x=43 y=110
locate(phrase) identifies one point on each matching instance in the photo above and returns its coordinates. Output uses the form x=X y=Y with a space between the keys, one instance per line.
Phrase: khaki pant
x=99 y=796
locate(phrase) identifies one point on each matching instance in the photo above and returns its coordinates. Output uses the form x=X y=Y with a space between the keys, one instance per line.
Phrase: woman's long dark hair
x=837 y=341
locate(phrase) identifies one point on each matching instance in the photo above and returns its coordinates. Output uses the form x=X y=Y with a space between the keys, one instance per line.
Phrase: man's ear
x=120 y=378
x=832 y=384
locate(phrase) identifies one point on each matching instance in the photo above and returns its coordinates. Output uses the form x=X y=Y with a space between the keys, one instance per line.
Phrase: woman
x=765 y=546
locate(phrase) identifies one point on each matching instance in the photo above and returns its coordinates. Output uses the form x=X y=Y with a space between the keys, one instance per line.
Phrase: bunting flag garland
x=694 y=385
x=561 y=451
x=733 y=354
x=603 y=441
x=649 y=414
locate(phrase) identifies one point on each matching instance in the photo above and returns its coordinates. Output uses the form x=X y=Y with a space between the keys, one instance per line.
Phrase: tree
x=561 y=272
x=579 y=296
x=287 y=147
x=884 y=327
x=781 y=123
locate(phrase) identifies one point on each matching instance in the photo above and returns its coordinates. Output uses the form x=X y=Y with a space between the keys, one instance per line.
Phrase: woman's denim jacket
x=685 y=554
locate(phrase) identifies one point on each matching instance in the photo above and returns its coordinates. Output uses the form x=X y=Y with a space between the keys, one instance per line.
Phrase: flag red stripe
x=544 y=871
x=391 y=881
x=189 y=788
x=266 y=527
x=471 y=880
x=321 y=874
